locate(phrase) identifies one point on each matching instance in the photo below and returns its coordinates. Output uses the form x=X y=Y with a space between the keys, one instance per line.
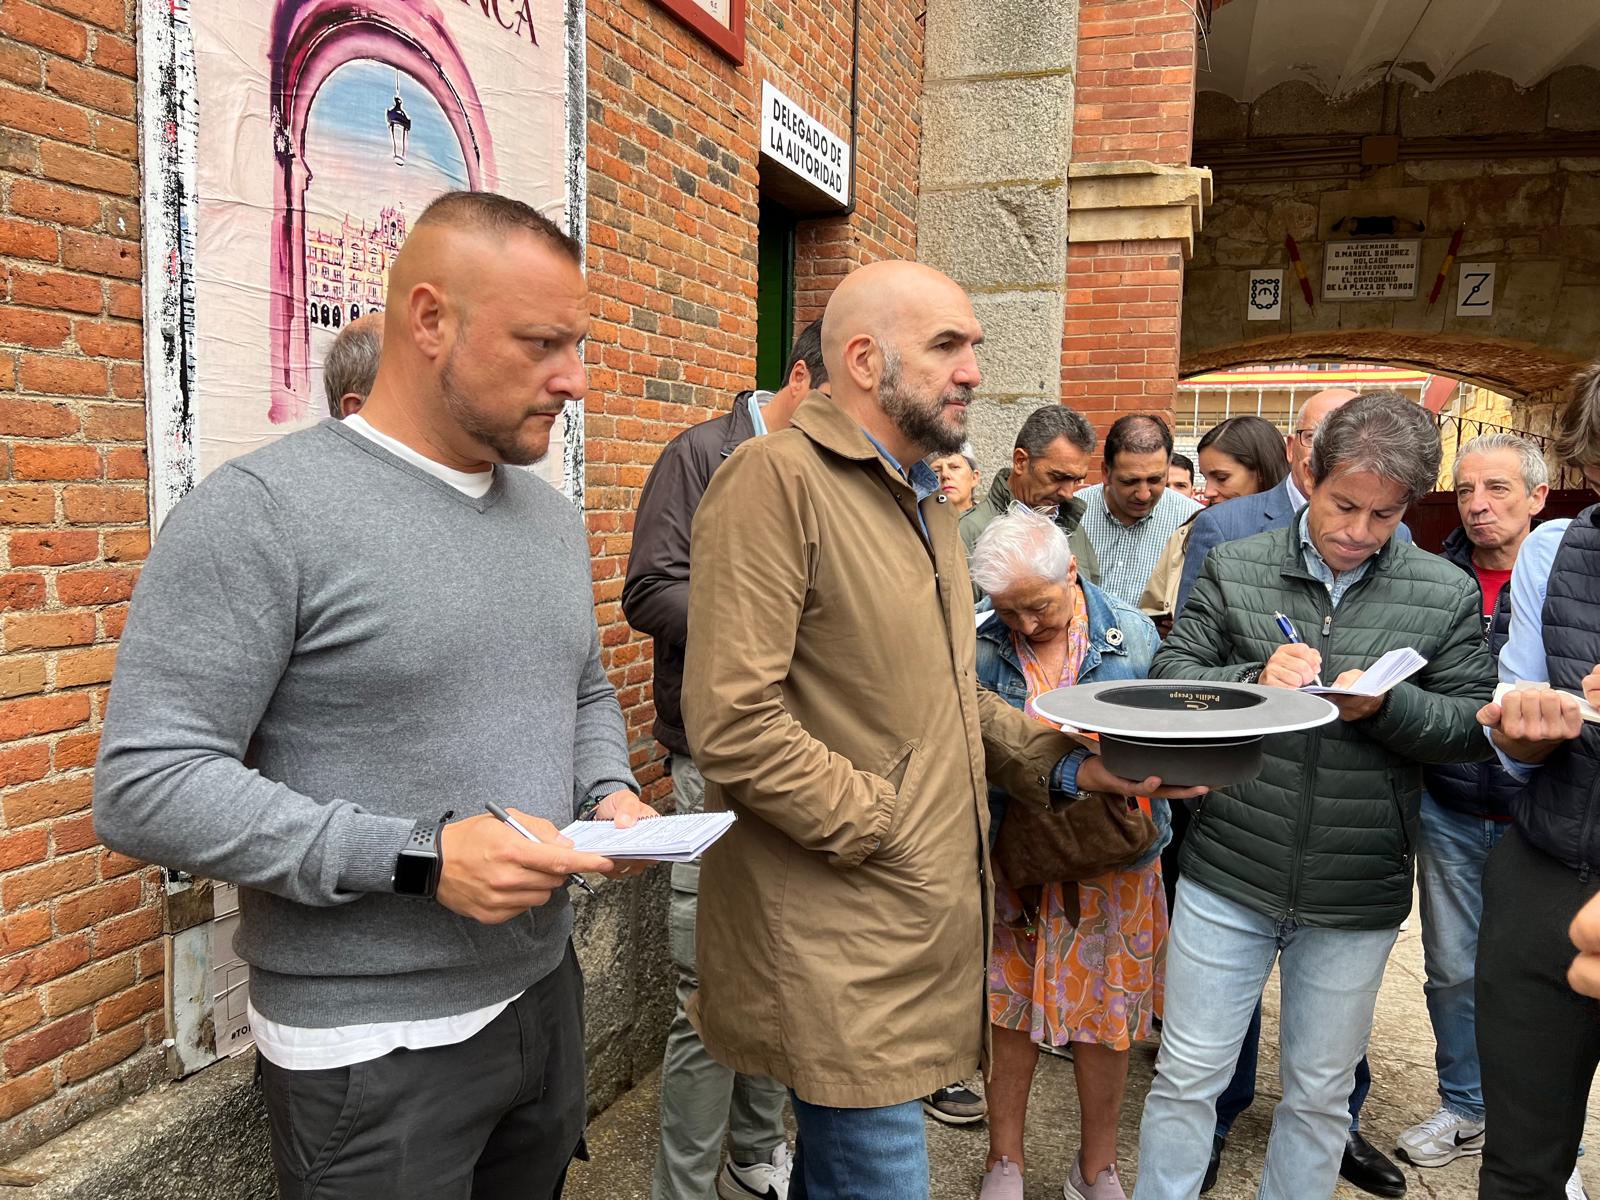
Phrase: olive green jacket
x=1327 y=833
x=1069 y=517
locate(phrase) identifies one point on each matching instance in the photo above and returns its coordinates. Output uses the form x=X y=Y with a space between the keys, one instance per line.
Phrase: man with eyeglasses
x=1364 y=1165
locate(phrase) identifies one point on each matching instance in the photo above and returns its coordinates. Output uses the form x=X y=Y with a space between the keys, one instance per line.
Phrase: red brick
x=18 y=1013
x=100 y=255
x=39 y=330
x=126 y=300
x=61 y=461
x=113 y=618
x=46 y=30
x=58 y=290
x=130 y=1005
x=96 y=904
x=23 y=764
x=19 y=932
x=114 y=423
x=113 y=864
x=126 y=933
x=49 y=202
x=125 y=545
x=84 y=987
x=52 y=1041
x=33 y=113
x=103 y=504
x=27 y=504
x=23 y=848
x=46 y=631
x=101 y=1054
x=24 y=239
x=76 y=750
x=53 y=547
x=55 y=878
x=21 y=64
x=127 y=381
x=88 y=169
x=59 y=376
x=19 y=1095
x=78 y=668
x=97 y=89
x=110 y=339
x=51 y=798
x=126 y=464
x=115 y=54
x=35 y=418
x=108 y=14
x=21 y=590
x=68 y=835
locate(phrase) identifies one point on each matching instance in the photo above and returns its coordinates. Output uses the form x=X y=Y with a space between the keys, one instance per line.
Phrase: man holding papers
x=1538 y=1041
x=1309 y=865
x=831 y=700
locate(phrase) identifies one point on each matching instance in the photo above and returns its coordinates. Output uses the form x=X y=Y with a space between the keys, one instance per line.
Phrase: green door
x=774 y=293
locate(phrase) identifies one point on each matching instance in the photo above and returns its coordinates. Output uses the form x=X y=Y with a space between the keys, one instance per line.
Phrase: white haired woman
x=1072 y=962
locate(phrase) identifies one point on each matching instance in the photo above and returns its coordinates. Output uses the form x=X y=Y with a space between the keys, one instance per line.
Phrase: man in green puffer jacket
x=1310 y=864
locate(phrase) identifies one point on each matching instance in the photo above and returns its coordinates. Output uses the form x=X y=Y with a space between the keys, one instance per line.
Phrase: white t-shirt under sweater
x=296 y=1049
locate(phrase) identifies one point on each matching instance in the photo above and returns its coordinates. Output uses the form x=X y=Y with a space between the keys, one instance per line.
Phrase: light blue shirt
x=1522 y=658
x=1128 y=553
x=921 y=478
x=758 y=401
x=1336 y=583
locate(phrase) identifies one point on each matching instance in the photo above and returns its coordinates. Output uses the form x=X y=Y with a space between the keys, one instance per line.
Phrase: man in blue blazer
x=1364 y=1165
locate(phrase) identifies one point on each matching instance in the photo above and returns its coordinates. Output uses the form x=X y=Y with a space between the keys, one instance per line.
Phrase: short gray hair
x=1045 y=425
x=1530 y=459
x=1384 y=433
x=1021 y=544
x=351 y=366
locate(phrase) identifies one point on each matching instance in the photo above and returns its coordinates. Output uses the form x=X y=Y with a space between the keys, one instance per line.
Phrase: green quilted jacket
x=1326 y=834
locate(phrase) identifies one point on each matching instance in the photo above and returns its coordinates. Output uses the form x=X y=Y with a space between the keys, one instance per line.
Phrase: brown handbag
x=1084 y=836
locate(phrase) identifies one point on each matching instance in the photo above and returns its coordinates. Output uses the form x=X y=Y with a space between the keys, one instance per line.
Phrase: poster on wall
x=293 y=144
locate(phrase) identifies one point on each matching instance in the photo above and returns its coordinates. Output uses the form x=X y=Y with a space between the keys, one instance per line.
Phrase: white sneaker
x=1575 y=1190
x=759 y=1181
x=1442 y=1138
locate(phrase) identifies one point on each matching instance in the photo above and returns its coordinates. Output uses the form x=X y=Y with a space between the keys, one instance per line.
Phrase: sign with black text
x=1371 y=269
x=803 y=146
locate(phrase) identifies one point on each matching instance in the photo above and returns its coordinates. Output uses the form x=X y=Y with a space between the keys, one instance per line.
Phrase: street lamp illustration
x=399 y=126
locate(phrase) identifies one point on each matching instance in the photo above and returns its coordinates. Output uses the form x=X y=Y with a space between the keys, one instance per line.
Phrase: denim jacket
x=1122 y=641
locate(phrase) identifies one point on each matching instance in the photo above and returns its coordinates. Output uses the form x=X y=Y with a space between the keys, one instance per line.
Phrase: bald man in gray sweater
x=343 y=647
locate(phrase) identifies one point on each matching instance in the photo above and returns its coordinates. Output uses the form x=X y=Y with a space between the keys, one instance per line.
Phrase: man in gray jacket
x=319 y=709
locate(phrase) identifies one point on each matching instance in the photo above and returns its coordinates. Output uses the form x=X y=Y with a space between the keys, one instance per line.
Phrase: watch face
x=413 y=874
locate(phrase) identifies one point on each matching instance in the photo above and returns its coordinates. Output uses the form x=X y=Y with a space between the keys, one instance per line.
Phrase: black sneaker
x=955 y=1105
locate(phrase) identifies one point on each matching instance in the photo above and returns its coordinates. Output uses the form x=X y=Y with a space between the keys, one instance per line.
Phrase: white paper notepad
x=1586 y=710
x=1394 y=667
x=681 y=838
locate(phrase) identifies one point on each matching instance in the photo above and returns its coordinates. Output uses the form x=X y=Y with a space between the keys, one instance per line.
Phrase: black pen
x=501 y=814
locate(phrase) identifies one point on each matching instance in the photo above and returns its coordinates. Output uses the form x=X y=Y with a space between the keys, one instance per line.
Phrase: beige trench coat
x=831 y=700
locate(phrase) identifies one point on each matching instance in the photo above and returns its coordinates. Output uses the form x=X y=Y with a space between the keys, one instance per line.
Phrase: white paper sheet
x=1585 y=709
x=681 y=838
x=1394 y=667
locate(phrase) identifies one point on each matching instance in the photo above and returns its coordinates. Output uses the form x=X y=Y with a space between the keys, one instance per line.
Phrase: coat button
x=942 y=498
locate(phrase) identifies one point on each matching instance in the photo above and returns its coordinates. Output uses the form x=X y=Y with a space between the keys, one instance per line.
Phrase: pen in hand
x=501 y=814
x=1286 y=627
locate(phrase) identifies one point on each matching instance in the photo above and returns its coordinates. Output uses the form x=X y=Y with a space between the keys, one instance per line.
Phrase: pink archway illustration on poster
x=310 y=40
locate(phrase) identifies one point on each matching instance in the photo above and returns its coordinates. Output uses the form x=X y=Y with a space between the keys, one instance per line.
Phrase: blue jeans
x=1240 y=1093
x=859 y=1153
x=1450 y=860
x=1219 y=955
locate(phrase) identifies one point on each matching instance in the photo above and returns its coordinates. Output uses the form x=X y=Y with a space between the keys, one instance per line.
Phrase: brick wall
x=1134 y=100
x=674 y=192
x=80 y=973
x=672 y=260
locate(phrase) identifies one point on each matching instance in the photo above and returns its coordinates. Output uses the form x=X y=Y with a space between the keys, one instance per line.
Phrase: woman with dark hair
x=1238 y=457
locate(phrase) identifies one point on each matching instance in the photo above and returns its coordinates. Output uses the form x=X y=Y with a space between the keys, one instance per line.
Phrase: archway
x=311 y=40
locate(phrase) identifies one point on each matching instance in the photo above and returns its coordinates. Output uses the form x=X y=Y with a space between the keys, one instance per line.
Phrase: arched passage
x=310 y=40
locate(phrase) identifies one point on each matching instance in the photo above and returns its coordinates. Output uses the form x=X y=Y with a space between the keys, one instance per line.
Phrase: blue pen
x=1286 y=627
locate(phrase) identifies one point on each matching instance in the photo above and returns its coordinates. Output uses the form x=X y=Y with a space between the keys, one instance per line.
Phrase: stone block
x=1526 y=302
x=1410 y=204
x=1580 y=203
x=1220 y=118
x=1021 y=351
x=1214 y=309
x=1499 y=203
x=1476 y=103
x=1574 y=100
x=995 y=131
x=987 y=238
x=1572 y=324
x=1297 y=109
x=992 y=429
x=1435 y=170
x=1297 y=217
x=999 y=37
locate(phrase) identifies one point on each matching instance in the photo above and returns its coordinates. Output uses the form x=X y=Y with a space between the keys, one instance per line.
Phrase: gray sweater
x=327 y=645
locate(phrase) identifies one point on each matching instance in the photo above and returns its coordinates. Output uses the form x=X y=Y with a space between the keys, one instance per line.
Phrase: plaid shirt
x=1128 y=553
x=1337 y=584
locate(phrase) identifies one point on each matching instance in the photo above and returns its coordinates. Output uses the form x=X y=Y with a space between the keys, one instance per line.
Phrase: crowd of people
x=345 y=645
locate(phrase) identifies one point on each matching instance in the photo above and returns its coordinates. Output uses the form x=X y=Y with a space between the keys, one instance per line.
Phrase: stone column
x=992 y=212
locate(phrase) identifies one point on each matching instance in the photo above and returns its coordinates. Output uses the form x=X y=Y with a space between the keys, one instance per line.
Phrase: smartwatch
x=417 y=867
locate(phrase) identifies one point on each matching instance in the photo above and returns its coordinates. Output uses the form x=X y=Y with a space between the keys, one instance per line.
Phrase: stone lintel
x=1136 y=201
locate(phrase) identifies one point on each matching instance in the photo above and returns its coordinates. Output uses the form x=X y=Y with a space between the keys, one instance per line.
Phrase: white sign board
x=803 y=146
x=1371 y=269
x=1265 y=302
x=1475 y=290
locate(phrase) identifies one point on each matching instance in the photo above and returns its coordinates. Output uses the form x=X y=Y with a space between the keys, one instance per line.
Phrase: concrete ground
x=622 y=1139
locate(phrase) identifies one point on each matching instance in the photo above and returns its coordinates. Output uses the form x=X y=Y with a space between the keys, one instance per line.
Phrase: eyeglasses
x=1305 y=436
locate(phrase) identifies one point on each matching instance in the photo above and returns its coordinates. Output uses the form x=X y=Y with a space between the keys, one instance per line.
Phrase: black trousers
x=1538 y=1040
x=496 y=1117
